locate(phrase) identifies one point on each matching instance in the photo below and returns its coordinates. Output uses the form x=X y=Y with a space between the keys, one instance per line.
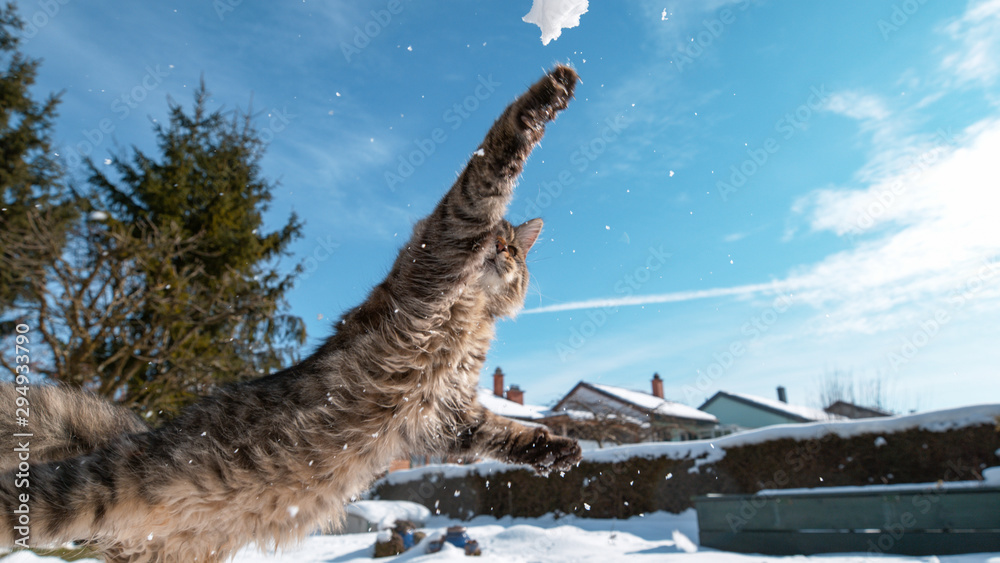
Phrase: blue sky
x=743 y=195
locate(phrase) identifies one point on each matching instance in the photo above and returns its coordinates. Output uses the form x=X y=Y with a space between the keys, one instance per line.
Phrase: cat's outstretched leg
x=478 y=199
x=512 y=442
x=449 y=245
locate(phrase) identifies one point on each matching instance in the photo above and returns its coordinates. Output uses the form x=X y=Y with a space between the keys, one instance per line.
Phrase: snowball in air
x=554 y=15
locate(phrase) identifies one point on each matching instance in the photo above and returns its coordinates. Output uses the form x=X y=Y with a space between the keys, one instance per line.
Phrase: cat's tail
x=82 y=498
x=42 y=423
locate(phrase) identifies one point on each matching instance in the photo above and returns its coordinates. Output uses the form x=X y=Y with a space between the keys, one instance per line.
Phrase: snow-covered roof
x=856 y=409
x=654 y=403
x=510 y=409
x=794 y=411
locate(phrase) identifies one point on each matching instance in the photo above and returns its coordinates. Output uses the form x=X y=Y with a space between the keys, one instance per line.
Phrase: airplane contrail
x=674 y=297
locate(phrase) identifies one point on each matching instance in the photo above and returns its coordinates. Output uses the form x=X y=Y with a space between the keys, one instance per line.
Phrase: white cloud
x=940 y=234
x=978 y=31
x=896 y=170
x=857 y=106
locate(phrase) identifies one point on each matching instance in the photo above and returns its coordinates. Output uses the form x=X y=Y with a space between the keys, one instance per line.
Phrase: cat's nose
x=501 y=247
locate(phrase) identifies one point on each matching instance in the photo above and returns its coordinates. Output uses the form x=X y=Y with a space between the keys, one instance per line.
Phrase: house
x=509 y=402
x=742 y=411
x=511 y=409
x=850 y=410
x=598 y=412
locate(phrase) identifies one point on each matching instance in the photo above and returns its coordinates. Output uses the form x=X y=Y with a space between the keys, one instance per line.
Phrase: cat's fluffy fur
x=63 y=423
x=266 y=461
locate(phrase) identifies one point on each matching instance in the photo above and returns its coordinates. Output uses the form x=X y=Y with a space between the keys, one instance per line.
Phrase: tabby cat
x=63 y=423
x=267 y=460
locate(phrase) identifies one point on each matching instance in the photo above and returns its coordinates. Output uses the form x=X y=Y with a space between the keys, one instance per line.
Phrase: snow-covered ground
x=654 y=537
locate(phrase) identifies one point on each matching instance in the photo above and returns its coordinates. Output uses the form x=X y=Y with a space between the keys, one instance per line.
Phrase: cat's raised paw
x=547 y=97
x=547 y=453
x=566 y=77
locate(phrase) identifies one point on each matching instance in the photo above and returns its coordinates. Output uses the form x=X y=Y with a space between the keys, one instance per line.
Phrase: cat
x=63 y=423
x=268 y=460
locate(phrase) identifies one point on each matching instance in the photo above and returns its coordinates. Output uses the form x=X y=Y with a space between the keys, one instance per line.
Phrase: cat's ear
x=527 y=234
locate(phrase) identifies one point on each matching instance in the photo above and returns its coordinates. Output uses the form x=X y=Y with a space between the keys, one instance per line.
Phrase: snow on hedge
x=711 y=451
x=386 y=512
x=935 y=421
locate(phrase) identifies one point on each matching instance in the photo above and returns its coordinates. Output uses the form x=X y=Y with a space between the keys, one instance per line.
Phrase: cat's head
x=504 y=275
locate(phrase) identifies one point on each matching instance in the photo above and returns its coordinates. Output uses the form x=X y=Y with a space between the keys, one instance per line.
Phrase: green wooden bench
x=898 y=519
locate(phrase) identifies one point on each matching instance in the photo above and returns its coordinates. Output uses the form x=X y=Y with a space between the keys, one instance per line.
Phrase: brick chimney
x=657 y=386
x=781 y=394
x=515 y=394
x=498 y=383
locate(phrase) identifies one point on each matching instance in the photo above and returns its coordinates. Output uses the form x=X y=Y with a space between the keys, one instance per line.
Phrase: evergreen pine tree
x=30 y=177
x=206 y=188
x=157 y=281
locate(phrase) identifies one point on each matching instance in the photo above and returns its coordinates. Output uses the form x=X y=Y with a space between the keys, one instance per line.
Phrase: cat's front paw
x=547 y=453
x=547 y=97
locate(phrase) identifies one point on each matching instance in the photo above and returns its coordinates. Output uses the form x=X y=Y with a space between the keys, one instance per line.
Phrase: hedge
x=639 y=484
